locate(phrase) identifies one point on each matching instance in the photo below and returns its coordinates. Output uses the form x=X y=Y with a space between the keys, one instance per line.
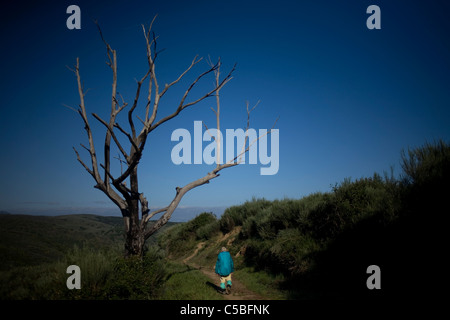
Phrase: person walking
x=225 y=268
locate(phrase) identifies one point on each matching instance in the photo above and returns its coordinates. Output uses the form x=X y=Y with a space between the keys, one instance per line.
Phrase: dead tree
x=128 y=197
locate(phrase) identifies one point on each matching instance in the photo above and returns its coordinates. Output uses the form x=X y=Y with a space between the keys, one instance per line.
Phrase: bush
x=351 y=202
x=249 y=228
x=426 y=180
x=206 y=232
x=427 y=164
x=137 y=278
x=96 y=267
x=294 y=250
x=257 y=255
x=286 y=236
x=237 y=215
x=48 y=281
x=181 y=238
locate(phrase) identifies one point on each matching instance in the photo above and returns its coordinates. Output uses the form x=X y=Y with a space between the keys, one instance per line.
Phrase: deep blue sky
x=349 y=99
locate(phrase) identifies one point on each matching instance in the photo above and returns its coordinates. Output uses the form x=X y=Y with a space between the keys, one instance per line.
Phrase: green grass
x=36 y=251
x=185 y=283
x=262 y=283
x=33 y=240
x=31 y=283
x=48 y=280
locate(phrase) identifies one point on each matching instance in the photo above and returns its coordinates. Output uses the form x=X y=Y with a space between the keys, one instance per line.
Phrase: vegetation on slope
x=318 y=246
x=322 y=244
x=32 y=240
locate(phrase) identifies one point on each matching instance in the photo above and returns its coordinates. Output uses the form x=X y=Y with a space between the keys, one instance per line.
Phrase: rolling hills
x=27 y=240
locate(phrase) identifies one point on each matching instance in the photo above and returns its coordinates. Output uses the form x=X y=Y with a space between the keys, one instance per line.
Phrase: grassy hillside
x=32 y=240
x=36 y=250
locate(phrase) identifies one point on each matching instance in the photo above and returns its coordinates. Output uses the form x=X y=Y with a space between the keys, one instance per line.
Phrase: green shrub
x=257 y=254
x=181 y=238
x=351 y=202
x=96 y=267
x=48 y=281
x=294 y=250
x=426 y=181
x=137 y=278
x=249 y=228
x=206 y=232
x=286 y=235
x=237 y=215
x=42 y=282
x=230 y=218
x=427 y=164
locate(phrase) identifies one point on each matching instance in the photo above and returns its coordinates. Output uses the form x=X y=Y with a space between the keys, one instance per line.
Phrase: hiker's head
x=224 y=249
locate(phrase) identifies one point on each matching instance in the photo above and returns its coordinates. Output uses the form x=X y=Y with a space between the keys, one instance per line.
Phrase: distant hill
x=27 y=240
x=181 y=214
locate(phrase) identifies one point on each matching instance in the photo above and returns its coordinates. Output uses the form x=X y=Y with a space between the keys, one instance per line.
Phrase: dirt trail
x=238 y=292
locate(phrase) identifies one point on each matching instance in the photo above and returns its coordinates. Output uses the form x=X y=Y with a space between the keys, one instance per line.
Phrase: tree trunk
x=134 y=242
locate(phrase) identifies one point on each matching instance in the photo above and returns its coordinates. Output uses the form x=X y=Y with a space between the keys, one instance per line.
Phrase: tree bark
x=134 y=242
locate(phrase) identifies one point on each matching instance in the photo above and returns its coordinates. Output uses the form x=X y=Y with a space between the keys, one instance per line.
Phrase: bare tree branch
x=112 y=57
x=83 y=164
x=130 y=112
x=82 y=113
x=113 y=135
x=244 y=149
x=207 y=130
x=167 y=86
x=133 y=143
x=152 y=214
x=69 y=107
x=179 y=195
x=183 y=106
x=217 y=111
x=118 y=185
x=150 y=72
x=94 y=171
